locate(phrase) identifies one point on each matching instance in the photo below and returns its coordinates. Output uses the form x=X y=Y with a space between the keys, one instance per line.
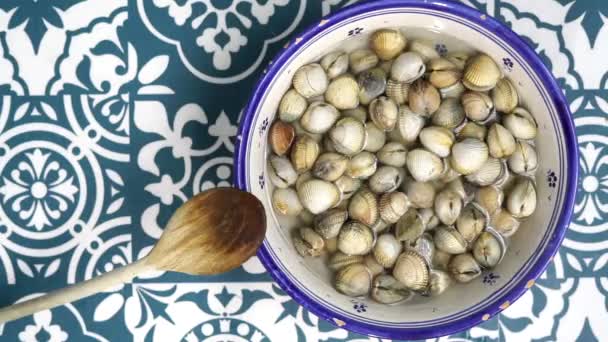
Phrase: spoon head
x=213 y=232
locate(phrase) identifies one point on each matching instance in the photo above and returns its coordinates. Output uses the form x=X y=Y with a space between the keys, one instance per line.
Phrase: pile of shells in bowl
x=407 y=169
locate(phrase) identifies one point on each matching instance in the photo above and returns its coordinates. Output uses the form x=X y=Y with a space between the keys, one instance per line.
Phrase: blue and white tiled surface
x=113 y=112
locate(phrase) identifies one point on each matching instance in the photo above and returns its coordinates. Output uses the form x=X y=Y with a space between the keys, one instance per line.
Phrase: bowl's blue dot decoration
x=551 y=178
x=490 y=278
x=264 y=126
x=355 y=32
x=441 y=49
x=262 y=180
x=359 y=306
x=507 y=64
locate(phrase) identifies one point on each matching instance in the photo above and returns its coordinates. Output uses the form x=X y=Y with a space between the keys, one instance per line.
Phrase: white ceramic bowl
x=452 y=27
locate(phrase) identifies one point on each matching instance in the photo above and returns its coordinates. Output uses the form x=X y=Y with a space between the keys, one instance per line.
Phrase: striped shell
x=481 y=73
x=310 y=80
x=387 y=43
x=304 y=153
x=317 y=195
x=412 y=270
x=363 y=207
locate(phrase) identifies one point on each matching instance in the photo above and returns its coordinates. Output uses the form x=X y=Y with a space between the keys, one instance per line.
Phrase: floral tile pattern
x=113 y=112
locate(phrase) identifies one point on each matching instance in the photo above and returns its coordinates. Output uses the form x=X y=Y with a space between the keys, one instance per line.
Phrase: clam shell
x=310 y=80
x=441 y=260
x=392 y=154
x=471 y=223
x=524 y=160
x=308 y=243
x=386 y=250
x=468 y=155
x=448 y=205
x=440 y=64
x=387 y=290
x=363 y=207
x=386 y=66
x=330 y=166
x=331 y=245
x=464 y=268
x=348 y=136
x=387 y=43
x=505 y=96
x=386 y=179
x=407 y=67
x=458 y=188
x=353 y=280
x=477 y=106
x=409 y=227
x=340 y=260
x=421 y=194
x=335 y=64
x=454 y=91
x=481 y=73
x=392 y=206
x=280 y=172
x=521 y=201
x=319 y=117
x=429 y=219
x=376 y=137
x=343 y=92
x=425 y=48
x=359 y=113
x=423 y=165
x=521 y=124
x=439 y=282
x=438 y=140
x=450 y=240
x=425 y=246
x=362 y=165
x=489 y=198
x=380 y=226
x=444 y=78
x=292 y=106
x=372 y=83
x=328 y=224
x=412 y=270
x=304 y=153
x=409 y=124
x=301 y=131
x=449 y=114
x=286 y=202
x=473 y=130
x=347 y=186
x=458 y=58
x=491 y=171
x=302 y=178
x=501 y=143
x=317 y=195
x=504 y=223
x=280 y=137
x=449 y=174
x=397 y=91
x=372 y=265
x=306 y=217
x=384 y=112
x=423 y=98
x=361 y=60
x=489 y=249
x=355 y=239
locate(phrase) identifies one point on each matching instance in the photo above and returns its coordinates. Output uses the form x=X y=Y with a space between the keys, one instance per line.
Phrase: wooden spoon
x=213 y=232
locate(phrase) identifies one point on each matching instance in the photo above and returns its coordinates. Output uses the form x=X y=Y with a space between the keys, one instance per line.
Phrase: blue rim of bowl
x=559 y=102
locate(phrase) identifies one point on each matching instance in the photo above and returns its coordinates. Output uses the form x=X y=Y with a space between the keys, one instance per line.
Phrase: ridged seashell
x=392 y=206
x=449 y=114
x=505 y=96
x=308 y=243
x=409 y=124
x=490 y=198
x=387 y=290
x=363 y=207
x=286 y=202
x=301 y=131
x=425 y=49
x=440 y=64
x=441 y=260
x=306 y=217
x=387 y=43
x=468 y=155
x=481 y=73
x=392 y=154
x=423 y=165
x=429 y=219
x=331 y=245
x=409 y=227
x=355 y=238
x=292 y=106
x=281 y=172
x=438 y=140
x=310 y=80
x=423 y=98
x=439 y=282
x=448 y=205
x=454 y=91
x=328 y=224
x=340 y=260
x=280 y=137
x=376 y=137
x=330 y=166
x=458 y=58
x=521 y=124
x=464 y=268
x=386 y=250
x=317 y=195
x=473 y=130
x=349 y=136
x=491 y=171
x=343 y=92
x=458 y=188
x=521 y=201
x=421 y=194
x=380 y=226
x=302 y=178
x=362 y=165
x=384 y=112
x=477 y=106
x=412 y=271
x=319 y=117
x=408 y=67
x=372 y=83
x=524 y=160
x=361 y=60
x=348 y=186
x=489 y=249
x=471 y=223
x=501 y=143
x=504 y=223
x=304 y=153
x=444 y=78
x=397 y=91
x=449 y=240
x=353 y=280
x=449 y=174
x=359 y=113
x=335 y=63
x=425 y=246
x=386 y=179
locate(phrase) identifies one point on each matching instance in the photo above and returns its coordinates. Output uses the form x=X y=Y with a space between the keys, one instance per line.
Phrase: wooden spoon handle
x=74 y=292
